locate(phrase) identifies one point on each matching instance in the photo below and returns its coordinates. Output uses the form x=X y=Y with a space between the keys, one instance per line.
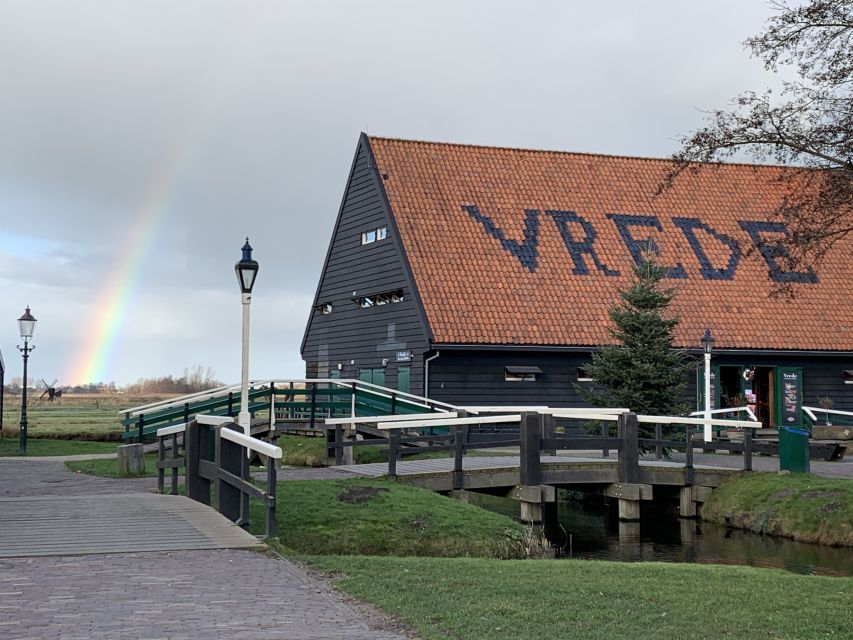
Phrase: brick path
x=174 y=595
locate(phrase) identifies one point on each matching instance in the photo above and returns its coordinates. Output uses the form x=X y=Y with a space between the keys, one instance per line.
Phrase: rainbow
x=91 y=360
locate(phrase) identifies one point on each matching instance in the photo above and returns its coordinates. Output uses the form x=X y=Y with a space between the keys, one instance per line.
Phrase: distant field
x=77 y=417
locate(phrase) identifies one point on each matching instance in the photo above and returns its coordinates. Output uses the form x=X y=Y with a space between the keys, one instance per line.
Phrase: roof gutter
x=590 y=349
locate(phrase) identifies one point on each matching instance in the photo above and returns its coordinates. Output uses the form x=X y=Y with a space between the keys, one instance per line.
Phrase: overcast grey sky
x=141 y=141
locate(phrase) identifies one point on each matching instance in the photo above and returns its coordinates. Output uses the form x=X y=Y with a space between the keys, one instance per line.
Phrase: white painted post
x=243 y=419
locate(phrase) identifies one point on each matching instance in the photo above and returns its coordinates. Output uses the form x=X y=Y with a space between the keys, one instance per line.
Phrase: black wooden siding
x=476 y=377
x=365 y=335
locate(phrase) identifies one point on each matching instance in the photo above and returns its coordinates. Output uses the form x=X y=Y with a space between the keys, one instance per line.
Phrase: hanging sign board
x=404 y=356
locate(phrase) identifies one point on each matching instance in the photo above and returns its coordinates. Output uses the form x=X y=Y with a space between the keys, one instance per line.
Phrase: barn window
x=521 y=374
x=369 y=237
x=387 y=297
x=583 y=375
x=848 y=376
x=325 y=308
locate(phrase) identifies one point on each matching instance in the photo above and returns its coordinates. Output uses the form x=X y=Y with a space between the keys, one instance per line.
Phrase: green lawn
x=379 y=517
x=805 y=507
x=473 y=599
x=48 y=447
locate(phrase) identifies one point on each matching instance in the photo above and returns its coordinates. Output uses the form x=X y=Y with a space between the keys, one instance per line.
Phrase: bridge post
x=460 y=437
x=196 y=446
x=530 y=471
x=393 y=452
x=689 y=472
x=658 y=438
x=339 y=440
x=605 y=432
x=313 y=405
x=229 y=457
x=140 y=425
x=629 y=457
x=747 y=449
x=547 y=422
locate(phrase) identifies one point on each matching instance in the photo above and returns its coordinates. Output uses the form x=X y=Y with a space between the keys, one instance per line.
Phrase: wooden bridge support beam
x=197 y=448
x=534 y=501
x=690 y=500
x=629 y=496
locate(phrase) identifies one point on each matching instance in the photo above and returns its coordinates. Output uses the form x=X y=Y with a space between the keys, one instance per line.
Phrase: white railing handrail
x=810 y=412
x=504 y=409
x=745 y=424
x=396 y=418
x=259 y=446
x=212 y=394
x=175 y=428
x=453 y=422
x=748 y=411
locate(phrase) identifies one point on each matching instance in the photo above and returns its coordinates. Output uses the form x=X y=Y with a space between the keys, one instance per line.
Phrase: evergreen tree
x=642 y=372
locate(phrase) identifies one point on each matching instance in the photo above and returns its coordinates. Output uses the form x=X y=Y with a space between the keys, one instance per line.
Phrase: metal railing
x=310 y=400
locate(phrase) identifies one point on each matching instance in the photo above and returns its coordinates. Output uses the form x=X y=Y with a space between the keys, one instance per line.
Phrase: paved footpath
x=175 y=595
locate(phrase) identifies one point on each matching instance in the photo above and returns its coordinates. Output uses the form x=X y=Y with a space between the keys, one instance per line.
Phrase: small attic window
x=388 y=297
x=325 y=308
x=848 y=376
x=583 y=375
x=521 y=373
x=369 y=237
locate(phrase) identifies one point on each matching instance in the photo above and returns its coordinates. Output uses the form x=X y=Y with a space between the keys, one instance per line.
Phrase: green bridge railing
x=281 y=400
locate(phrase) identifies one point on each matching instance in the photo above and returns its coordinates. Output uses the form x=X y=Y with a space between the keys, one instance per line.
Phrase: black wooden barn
x=483 y=275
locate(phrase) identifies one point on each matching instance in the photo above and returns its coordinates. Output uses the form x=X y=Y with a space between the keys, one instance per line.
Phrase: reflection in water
x=590 y=529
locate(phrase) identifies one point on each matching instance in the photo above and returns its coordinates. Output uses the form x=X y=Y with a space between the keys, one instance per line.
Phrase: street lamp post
x=708 y=344
x=26 y=326
x=247 y=271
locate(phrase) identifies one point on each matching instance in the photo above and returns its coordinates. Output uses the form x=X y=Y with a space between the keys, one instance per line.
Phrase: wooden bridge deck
x=113 y=523
x=485 y=472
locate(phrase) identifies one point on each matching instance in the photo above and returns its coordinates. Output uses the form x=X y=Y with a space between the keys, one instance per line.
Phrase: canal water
x=589 y=529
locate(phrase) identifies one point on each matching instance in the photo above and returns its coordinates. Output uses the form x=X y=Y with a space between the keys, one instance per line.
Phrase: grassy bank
x=804 y=507
x=471 y=599
x=37 y=447
x=378 y=517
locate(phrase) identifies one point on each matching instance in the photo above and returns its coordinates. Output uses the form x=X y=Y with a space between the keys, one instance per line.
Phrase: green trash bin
x=794 y=450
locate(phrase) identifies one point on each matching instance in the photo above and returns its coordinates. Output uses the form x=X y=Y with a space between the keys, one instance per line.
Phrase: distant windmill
x=50 y=390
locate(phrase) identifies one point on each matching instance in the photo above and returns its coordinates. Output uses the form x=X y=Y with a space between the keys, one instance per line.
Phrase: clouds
x=228 y=119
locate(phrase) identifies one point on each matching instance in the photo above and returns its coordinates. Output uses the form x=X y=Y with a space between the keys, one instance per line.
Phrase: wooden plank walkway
x=113 y=523
x=485 y=463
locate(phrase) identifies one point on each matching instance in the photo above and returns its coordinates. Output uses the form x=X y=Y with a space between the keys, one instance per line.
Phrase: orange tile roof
x=463 y=212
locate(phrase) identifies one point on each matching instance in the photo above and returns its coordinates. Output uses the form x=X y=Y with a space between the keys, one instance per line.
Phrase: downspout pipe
x=426 y=372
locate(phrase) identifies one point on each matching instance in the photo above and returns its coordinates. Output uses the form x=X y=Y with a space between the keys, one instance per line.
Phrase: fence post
x=161 y=457
x=629 y=457
x=393 y=404
x=605 y=432
x=658 y=438
x=230 y=403
x=530 y=472
x=689 y=473
x=393 y=451
x=141 y=425
x=339 y=440
x=271 y=498
x=174 y=490
x=196 y=444
x=313 y=405
x=547 y=422
x=460 y=438
x=747 y=449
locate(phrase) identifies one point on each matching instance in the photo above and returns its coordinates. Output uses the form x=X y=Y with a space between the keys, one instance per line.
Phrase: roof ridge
x=576 y=153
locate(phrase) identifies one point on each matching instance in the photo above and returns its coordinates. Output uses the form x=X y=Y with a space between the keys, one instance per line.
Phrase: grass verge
x=472 y=598
x=37 y=447
x=379 y=517
x=804 y=507
x=109 y=468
